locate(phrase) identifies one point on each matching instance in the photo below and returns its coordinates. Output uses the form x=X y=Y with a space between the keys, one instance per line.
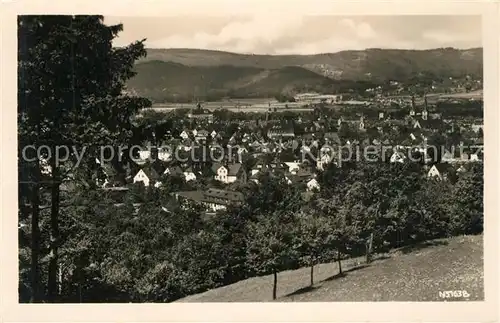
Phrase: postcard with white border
x=249 y=161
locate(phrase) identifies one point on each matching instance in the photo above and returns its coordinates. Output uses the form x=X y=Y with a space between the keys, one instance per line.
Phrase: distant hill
x=180 y=73
x=171 y=82
x=381 y=63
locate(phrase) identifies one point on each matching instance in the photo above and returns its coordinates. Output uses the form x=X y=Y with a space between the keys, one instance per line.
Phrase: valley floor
x=416 y=273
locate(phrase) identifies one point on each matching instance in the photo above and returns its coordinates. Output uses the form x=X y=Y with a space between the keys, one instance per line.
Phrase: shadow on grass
x=380 y=258
x=345 y=272
x=337 y=276
x=303 y=290
x=423 y=245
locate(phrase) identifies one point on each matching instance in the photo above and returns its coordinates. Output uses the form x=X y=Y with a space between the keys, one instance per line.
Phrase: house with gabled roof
x=362 y=124
x=312 y=185
x=147 y=176
x=189 y=174
x=201 y=135
x=164 y=155
x=447 y=156
x=254 y=177
x=281 y=131
x=475 y=157
x=217 y=199
x=477 y=127
x=229 y=173
x=213 y=199
x=293 y=167
x=398 y=157
x=324 y=159
x=184 y=134
x=441 y=171
x=105 y=172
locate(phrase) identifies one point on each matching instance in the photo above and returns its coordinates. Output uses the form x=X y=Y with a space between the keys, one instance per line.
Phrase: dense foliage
x=145 y=253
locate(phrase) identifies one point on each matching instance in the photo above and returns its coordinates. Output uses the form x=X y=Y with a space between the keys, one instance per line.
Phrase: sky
x=296 y=34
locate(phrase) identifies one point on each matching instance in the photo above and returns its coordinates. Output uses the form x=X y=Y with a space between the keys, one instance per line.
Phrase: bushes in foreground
x=149 y=255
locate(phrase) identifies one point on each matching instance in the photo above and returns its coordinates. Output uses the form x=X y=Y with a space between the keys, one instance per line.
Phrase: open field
x=464 y=95
x=263 y=104
x=244 y=105
x=407 y=274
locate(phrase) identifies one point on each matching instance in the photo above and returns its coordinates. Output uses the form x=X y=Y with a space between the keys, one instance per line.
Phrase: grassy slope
x=410 y=274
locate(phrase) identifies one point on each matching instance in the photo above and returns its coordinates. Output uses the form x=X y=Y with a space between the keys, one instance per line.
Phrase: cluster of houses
x=279 y=146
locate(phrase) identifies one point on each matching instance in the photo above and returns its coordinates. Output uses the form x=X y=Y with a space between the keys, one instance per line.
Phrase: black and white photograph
x=258 y=157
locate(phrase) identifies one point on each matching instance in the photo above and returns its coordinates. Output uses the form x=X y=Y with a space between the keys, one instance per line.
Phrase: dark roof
x=216 y=166
x=307 y=136
x=430 y=123
x=234 y=169
x=281 y=129
x=303 y=173
x=223 y=197
x=192 y=195
x=158 y=166
x=118 y=188
x=151 y=173
x=333 y=136
x=230 y=195
x=175 y=170
x=444 y=167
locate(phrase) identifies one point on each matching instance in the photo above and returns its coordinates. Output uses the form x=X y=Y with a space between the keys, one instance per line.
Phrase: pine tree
x=70 y=93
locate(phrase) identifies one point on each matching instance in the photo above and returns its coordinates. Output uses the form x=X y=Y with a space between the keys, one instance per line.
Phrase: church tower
x=412 y=109
x=362 y=123
x=425 y=113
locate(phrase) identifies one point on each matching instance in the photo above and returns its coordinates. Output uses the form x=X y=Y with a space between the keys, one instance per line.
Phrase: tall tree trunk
x=275 y=283
x=339 y=261
x=35 y=237
x=54 y=234
x=60 y=280
x=369 y=247
x=312 y=275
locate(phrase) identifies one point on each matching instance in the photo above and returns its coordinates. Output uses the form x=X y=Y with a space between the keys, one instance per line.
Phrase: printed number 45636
x=453 y=294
